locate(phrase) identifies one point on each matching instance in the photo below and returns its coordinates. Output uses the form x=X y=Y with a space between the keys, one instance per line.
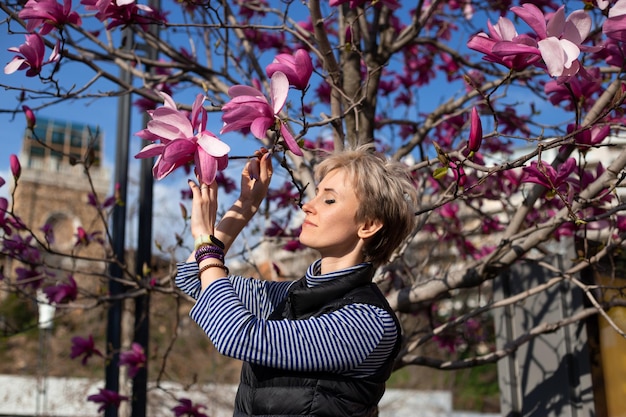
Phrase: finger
x=195 y=189
x=253 y=169
x=212 y=191
x=265 y=167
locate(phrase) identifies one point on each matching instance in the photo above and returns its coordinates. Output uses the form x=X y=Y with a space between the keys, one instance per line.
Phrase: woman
x=323 y=345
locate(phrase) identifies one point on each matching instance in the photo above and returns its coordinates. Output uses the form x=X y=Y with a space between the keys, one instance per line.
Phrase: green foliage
x=17 y=314
x=477 y=389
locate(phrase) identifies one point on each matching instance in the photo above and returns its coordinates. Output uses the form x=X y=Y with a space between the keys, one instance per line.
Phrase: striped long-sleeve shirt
x=354 y=340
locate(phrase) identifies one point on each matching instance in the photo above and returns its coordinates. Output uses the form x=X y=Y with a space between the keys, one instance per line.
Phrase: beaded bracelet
x=207 y=266
x=203 y=256
x=208 y=249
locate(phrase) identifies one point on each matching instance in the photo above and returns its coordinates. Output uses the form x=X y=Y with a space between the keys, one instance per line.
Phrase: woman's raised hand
x=255 y=178
x=203 y=208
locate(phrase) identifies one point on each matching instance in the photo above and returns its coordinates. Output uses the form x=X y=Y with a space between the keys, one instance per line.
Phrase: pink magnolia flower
x=392 y=4
x=48 y=233
x=560 y=38
x=123 y=12
x=83 y=238
x=29 y=277
x=546 y=175
x=135 y=359
x=62 y=292
x=249 y=109
x=580 y=92
x=84 y=347
x=31 y=56
x=459 y=174
x=107 y=398
x=48 y=15
x=186 y=408
x=108 y=202
x=589 y=138
x=476 y=132
x=504 y=36
x=31 y=121
x=615 y=26
x=16 y=167
x=183 y=141
x=297 y=67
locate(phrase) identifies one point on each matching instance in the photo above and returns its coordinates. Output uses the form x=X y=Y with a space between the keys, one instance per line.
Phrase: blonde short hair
x=386 y=193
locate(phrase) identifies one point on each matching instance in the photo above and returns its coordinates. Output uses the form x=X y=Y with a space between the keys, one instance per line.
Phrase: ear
x=369 y=228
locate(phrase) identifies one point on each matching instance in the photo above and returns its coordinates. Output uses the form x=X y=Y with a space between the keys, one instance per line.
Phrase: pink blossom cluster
x=45 y=16
x=179 y=139
x=556 y=42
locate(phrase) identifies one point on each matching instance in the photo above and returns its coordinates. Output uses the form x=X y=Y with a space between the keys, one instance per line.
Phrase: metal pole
x=144 y=258
x=142 y=303
x=118 y=227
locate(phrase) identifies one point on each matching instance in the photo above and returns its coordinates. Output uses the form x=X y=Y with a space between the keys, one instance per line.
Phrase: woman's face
x=330 y=226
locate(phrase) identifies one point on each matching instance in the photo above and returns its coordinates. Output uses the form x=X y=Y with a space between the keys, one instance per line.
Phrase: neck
x=330 y=264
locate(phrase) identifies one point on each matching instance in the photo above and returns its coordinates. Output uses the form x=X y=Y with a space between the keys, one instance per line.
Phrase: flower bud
x=16 y=167
x=476 y=132
x=31 y=121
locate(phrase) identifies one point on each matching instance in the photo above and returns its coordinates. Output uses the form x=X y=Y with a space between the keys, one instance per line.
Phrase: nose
x=308 y=207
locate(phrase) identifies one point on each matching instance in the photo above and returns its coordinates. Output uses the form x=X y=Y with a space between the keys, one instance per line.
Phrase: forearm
x=231 y=225
x=233 y=222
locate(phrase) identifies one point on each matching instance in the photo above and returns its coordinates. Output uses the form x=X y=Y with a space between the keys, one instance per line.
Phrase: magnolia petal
x=15 y=64
x=242 y=117
x=198 y=110
x=170 y=124
x=290 y=141
x=179 y=152
x=247 y=100
x=54 y=54
x=206 y=166
x=513 y=48
x=533 y=16
x=553 y=55
x=481 y=43
x=279 y=86
x=615 y=28
x=222 y=162
x=212 y=145
x=147 y=135
x=556 y=24
x=149 y=151
x=565 y=170
x=577 y=27
x=505 y=29
x=618 y=9
x=162 y=168
x=260 y=126
x=164 y=130
x=168 y=102
x=243 y=90
x=571 y=51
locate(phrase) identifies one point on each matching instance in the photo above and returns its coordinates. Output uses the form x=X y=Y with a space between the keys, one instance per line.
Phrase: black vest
x=267 y=391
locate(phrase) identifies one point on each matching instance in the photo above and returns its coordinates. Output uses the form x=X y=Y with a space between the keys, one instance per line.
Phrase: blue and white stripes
x=354 y=340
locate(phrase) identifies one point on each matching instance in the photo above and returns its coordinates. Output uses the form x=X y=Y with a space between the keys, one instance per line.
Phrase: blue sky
x=103 y=113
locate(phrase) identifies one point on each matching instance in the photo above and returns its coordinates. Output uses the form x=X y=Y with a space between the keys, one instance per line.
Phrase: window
x=58 y=137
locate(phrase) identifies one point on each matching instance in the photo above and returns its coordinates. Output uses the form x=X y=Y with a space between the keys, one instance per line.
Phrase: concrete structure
x=66 y=397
